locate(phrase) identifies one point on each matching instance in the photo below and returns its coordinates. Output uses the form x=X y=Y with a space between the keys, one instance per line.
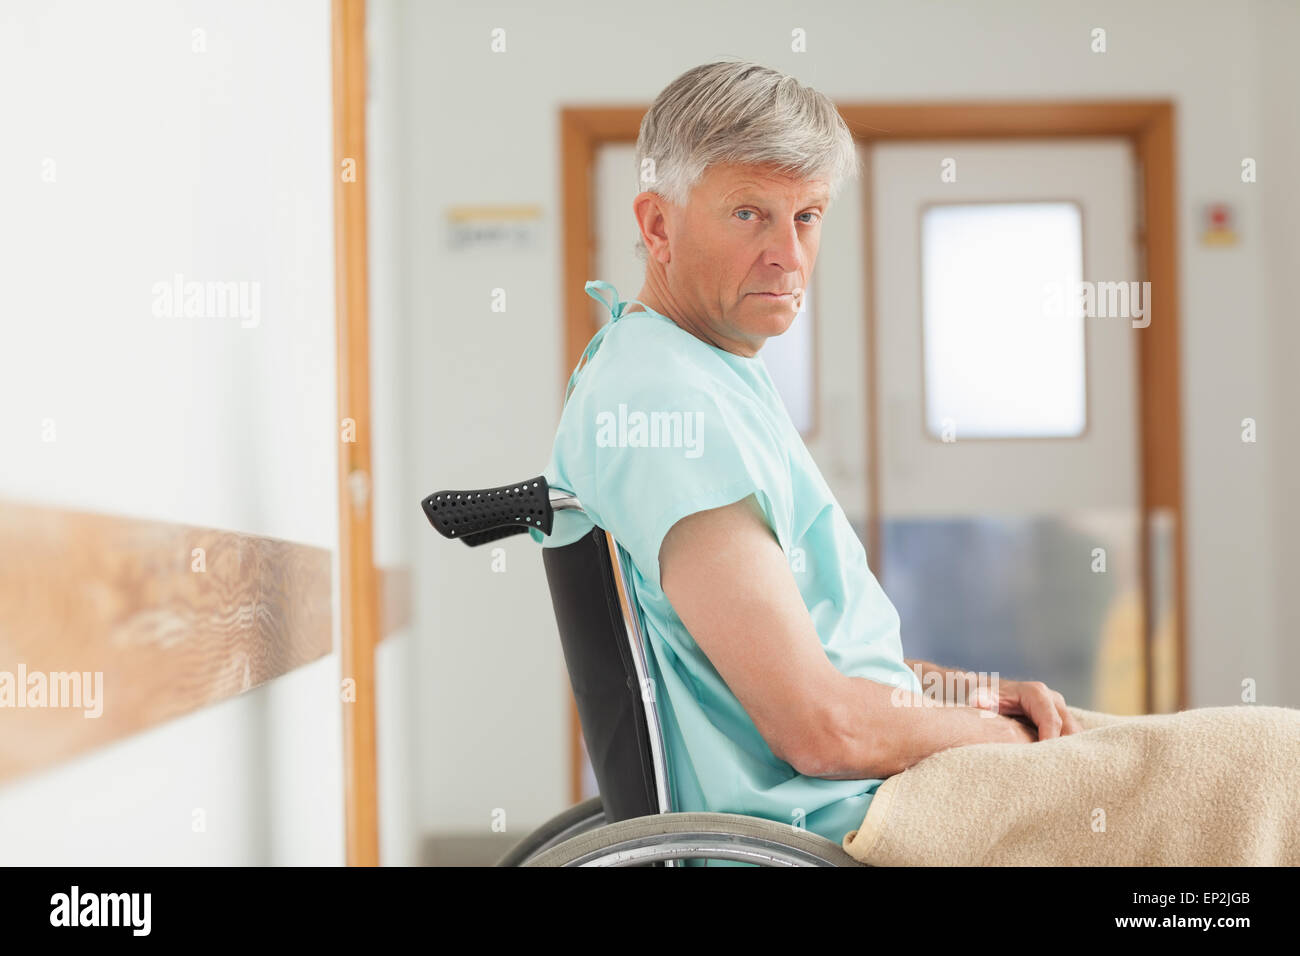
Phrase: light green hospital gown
x=659 y=425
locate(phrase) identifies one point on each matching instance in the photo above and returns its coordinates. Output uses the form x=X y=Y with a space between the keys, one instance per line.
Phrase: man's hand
x=1022 y=729
x=1034 y=700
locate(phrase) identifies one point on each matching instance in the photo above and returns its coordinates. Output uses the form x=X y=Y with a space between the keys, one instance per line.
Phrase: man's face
x=744 y=232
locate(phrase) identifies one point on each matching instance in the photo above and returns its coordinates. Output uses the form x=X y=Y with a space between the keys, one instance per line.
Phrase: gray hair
x=738 y=111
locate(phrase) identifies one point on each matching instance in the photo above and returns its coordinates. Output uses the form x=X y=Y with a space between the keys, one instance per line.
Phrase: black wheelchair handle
x=479 y=515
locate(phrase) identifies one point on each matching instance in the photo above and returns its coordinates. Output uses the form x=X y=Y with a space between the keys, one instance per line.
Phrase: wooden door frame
x=358 y=580
x=1147 y=124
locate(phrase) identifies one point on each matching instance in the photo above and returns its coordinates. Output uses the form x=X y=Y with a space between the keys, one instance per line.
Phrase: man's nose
x=784 y=249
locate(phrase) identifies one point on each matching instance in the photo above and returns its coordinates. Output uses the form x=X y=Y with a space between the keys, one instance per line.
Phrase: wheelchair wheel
x=682 y=836
x=577 y=819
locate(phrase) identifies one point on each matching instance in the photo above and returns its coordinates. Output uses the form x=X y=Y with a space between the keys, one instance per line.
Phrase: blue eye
x=806 y=221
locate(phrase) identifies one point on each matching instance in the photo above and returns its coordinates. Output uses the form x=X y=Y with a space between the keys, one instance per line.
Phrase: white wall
x=215 y=165
x=486 y=388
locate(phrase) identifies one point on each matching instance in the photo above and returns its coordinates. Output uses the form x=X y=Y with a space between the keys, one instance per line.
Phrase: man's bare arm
x=949 y=684
x=908 y=728
x=727 y=578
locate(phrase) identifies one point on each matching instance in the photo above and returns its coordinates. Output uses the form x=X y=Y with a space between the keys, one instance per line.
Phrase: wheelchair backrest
x=593 y=619
x=600 y=634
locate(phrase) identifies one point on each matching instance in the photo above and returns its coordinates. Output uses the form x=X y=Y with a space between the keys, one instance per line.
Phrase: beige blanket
x=1214 y=786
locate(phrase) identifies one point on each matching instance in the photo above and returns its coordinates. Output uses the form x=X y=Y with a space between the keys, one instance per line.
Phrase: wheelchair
x=633 y=821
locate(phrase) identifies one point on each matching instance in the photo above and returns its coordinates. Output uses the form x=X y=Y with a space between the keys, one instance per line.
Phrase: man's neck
x=650 y=300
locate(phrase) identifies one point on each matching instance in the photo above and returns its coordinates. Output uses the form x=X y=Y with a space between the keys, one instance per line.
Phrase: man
x=778 y=665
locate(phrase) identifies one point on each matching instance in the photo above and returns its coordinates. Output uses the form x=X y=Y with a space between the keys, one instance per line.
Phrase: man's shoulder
x=650 y=358
x=639 y=339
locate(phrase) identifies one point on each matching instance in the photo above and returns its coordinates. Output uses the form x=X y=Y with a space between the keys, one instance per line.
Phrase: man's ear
x=652 y=212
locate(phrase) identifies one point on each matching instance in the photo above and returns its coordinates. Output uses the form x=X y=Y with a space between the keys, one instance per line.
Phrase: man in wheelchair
x=777 y=649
